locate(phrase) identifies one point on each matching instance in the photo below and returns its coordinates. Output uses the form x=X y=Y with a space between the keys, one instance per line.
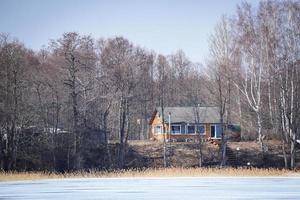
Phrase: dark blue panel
x=182 y=128
x=218 y=131
x=175 y=129
x=200 y=129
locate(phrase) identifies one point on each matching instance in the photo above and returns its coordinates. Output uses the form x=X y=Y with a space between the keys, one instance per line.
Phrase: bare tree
x=77 y=54
x=222 y=51
x=252 y=65
x=288 y=76
x=13 y=63
x=121 y=62
x=161 y=65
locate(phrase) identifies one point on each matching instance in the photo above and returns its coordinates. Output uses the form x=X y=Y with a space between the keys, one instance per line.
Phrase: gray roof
x=189 y=114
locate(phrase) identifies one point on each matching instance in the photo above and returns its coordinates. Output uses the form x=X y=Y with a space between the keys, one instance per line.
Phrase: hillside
x=186 y=154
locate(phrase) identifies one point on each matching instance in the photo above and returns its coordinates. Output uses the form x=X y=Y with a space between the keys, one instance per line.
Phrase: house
x=187 y=123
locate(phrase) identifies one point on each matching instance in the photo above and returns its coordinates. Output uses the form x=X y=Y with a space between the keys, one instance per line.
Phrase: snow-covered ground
x=154 y=188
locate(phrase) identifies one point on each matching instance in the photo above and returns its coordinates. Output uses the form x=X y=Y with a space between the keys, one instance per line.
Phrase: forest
x=75 y=103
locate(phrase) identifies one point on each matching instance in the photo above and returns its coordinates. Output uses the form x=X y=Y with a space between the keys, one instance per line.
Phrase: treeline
x=255 y=59
x=62 y=106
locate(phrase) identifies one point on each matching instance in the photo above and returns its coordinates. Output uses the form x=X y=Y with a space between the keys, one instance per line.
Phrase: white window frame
x=175 y=133
x=204 y=129
x=215 y=125
x=161 y=129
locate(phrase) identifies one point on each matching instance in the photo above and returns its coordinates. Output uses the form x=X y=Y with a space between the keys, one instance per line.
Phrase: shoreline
x=153 y=173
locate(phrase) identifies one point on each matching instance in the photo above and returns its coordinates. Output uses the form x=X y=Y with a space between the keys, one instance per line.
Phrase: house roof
x=189 y=114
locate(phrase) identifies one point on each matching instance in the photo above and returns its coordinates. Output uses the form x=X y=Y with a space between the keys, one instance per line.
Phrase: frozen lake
x=154 y=188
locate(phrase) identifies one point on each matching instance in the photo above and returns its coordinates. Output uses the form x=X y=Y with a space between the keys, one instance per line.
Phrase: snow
x=155 y=188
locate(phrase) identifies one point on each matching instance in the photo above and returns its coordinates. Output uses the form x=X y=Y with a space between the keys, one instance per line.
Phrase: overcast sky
x=160 y=25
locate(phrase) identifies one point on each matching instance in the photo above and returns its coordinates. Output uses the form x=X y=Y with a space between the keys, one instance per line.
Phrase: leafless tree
x=288 y=76
x=162 y=65
x=252 y=65
x=222 y=51
x=121 y=63
x=13 y=63
x=77 y=57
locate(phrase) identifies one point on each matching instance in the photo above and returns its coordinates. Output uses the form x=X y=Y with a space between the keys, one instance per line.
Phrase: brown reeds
x=150 y=172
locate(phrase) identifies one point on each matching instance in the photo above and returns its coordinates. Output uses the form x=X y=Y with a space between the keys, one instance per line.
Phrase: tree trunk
x=260 y=136
x=240 y=113
x=223 y=144
x=122 y=120
x=12 y=138
x=222 y=108
x=200 y=151
x=76 y=151
x=283 y=142
x=270 y=103
x=105 y=115
x=259 y=132
x=293 y=150
x=56 y=122
x=164 y=142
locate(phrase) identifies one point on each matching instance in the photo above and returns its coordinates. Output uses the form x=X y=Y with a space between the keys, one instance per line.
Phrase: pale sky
x=160 y=25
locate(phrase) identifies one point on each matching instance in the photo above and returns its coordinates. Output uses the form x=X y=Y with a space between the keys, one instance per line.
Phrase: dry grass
x=14 y=176
x=169 y=172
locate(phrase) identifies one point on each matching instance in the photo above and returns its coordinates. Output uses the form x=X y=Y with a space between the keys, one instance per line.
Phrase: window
x=218 y=131
x=201 y=129
x=190 y=129
x=175 y=129
x=215 y=131
x=158 y=129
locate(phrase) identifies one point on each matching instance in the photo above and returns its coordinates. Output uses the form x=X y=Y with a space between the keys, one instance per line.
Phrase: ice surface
x=154 y=188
